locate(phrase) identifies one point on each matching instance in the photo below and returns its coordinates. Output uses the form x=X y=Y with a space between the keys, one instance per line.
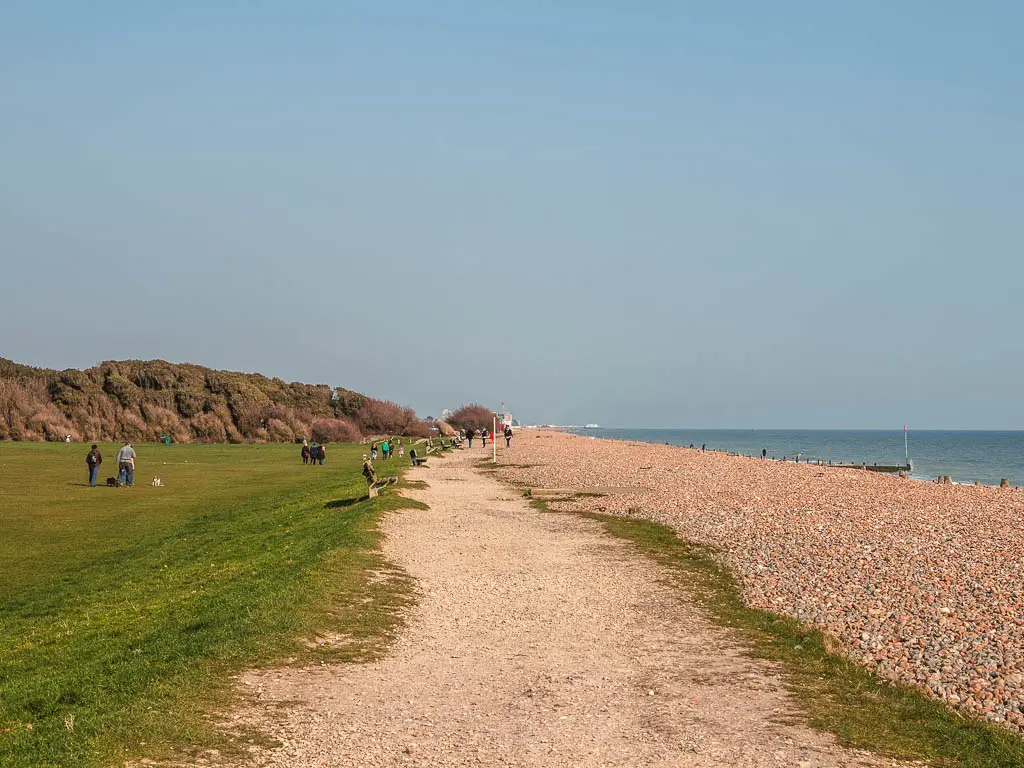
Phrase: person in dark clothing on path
x=483 y=436
x=508 y=436
x=305 y=454
x=469 y=436
x=93 y=460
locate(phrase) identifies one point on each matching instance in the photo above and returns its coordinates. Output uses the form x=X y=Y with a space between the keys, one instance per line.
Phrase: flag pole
x=906 y=445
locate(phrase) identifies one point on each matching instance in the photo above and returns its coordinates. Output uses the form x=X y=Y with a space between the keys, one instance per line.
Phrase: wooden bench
x=417 y=461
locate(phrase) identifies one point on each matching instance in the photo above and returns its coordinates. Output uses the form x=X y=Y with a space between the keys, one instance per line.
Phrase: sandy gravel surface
x=537 y=641
x=921 y=581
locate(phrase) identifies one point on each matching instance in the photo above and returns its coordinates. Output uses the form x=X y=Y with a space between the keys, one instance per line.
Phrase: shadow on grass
x=342 y=503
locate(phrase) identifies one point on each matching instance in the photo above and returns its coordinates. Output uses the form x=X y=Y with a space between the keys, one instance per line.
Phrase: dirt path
x=538 y=641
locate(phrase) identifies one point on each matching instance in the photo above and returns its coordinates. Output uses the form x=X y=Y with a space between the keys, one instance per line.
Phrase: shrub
x=131 y=426
x=122 y=390
x=138 y=399
x=207 y=428
x=279 y=432
x=473 y=416
x=335 y=431
x=161 y=420
x=378 y=417
x=189 y=402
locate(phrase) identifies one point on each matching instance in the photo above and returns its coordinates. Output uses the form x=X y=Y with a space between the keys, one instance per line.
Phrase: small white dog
x=157 y=483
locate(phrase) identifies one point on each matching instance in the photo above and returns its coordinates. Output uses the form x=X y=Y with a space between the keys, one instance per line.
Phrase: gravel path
x=537 y=641
x=920 y=581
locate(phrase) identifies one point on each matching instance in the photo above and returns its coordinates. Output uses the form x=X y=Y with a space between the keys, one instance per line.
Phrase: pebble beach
x=920 y=581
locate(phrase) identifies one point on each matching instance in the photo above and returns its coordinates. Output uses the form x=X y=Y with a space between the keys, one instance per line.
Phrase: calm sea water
x=965 y=456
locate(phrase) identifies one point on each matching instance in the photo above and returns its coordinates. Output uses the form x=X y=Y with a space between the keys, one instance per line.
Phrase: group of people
x=485 y=434
x=313 y=454
x=125 y=465
x=387 y=449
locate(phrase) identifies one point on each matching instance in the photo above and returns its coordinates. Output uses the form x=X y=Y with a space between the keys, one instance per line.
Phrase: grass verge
x=125 y=612
x=836 y=694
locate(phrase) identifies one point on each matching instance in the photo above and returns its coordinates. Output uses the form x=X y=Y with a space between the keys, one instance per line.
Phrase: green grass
x=835 y=694
x=123 y=612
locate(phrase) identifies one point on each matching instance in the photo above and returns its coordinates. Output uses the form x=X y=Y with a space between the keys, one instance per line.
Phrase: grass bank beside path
x=836 y=694
x=124 y=611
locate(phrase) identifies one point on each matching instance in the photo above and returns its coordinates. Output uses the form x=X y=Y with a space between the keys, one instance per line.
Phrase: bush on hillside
x=122 y=390
x=335 y=431
x=189 y=402
x=141 y=400
x=279 y=431
x=207 y=428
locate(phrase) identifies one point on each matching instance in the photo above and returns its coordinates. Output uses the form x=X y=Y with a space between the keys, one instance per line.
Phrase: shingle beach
x=920 y=581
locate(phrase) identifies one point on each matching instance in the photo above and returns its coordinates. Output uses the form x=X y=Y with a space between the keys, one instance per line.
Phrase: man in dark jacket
x=469 y=435
x=93 y=460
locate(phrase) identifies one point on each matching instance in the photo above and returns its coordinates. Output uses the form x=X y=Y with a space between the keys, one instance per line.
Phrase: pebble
x=917 y=580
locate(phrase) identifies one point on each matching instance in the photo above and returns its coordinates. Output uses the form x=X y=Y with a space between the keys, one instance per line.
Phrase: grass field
x=124 y=611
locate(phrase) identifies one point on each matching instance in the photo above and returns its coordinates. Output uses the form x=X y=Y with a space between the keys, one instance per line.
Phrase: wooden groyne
x=888 y=468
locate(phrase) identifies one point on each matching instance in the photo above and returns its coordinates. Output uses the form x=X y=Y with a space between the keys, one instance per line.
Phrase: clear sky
x=797 y=213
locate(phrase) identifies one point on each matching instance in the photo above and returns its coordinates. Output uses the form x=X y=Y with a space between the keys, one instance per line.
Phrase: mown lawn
x=124 y=612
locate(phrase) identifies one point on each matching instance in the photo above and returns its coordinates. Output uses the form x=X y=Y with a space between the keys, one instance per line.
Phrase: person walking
x=508 y=436
x=305 y=453
x=313 y=449
x=469 y=436
x=93 y=459
x=385 y=450
x=401 y=449
x=321 y=454
x=373 y=451
x=126 y=464
x=764 y=454
x=483 y=436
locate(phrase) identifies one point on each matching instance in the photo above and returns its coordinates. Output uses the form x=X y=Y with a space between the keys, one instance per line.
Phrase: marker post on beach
x=494 y=437
x=906 y=445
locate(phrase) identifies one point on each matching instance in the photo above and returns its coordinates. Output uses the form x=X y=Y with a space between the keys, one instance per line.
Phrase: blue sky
x=736 y=214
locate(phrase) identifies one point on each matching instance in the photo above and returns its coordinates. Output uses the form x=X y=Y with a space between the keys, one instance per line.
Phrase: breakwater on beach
x=918 y=581
x=967 y=456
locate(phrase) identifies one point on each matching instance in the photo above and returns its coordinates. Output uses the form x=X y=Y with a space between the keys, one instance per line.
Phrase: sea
x=966 y=456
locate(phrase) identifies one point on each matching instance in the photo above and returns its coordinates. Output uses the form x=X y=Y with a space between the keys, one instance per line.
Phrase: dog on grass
x=157 y=483
x=112 y=482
